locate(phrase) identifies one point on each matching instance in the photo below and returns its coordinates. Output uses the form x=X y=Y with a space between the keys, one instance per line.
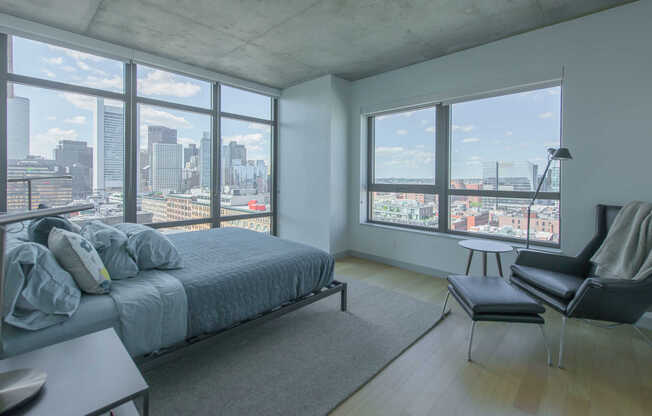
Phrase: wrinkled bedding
x=231 y=274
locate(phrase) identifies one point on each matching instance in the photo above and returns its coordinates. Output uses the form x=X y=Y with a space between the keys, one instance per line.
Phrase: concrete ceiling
x=283 y=42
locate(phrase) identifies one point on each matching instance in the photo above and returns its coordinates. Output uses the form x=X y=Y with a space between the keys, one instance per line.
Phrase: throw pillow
x=111 y=245
x=79 y=258
x=150 y=248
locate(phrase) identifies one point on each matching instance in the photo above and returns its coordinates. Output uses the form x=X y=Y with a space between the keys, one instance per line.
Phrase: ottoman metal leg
x=468 y=354
x=560 y=362
x=545 y=342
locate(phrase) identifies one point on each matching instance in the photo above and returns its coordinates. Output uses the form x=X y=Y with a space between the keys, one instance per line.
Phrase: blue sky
x=57 y=115
x=515 y=127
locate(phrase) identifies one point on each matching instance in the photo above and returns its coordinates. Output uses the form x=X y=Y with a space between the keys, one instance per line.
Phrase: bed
x=230 y=276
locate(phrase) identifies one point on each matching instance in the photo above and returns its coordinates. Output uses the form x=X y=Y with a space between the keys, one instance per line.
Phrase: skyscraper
x=109 y=144
x=166 y=168
x=189 y=152
x=17 y=128
x=75 y=157
x=233 y=154
x=158 y=134
x=205 y=161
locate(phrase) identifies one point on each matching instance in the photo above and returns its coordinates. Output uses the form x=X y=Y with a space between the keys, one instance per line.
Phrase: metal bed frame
x=153 y=359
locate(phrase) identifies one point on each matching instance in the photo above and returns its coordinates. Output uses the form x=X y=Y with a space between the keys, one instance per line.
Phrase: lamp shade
x=562 y=154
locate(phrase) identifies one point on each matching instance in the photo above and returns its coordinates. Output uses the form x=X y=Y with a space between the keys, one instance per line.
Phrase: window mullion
x=216 y=161
x=130 y=194
x=3 y=123
x=443 y=158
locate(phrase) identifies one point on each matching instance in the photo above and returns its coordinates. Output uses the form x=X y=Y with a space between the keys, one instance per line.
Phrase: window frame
x=131 y=100
x=442 y=187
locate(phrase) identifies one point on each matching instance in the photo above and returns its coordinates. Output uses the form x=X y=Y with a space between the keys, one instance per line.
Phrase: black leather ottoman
x=493 y=299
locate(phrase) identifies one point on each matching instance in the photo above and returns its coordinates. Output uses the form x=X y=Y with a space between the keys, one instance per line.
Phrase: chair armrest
x=552 y=262
x=614 y=300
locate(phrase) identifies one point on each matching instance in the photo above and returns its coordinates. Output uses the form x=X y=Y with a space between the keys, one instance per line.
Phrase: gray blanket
x=626 y=252
x=232 y=274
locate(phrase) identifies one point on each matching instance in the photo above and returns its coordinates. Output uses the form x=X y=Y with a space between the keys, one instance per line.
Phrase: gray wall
x=607 y=105
x=313 y=166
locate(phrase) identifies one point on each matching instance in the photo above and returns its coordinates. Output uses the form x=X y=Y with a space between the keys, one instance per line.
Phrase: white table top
x=84 y=375
x=487 y=246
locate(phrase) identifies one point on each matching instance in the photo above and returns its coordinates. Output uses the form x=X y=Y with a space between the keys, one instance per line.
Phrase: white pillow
x=79 y=258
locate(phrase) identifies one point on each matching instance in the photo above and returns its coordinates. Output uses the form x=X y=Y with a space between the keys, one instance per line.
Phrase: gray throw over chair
x=567 y=285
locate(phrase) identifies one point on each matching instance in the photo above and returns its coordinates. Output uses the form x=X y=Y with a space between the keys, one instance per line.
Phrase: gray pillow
x=38 y=292
x=150 y=248
x=78 y=256
x=111 y=245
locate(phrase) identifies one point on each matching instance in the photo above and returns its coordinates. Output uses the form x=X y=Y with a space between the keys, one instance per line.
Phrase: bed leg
x=343 y=298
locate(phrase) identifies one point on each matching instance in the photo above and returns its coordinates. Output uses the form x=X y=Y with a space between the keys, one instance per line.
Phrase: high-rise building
x=75 y=158
x=166 y=168
x=108 y=170
x=205 y=161
x=17 y=127
x=233 y=154
x=512 y=176
x=189 y=152
x=158 y=134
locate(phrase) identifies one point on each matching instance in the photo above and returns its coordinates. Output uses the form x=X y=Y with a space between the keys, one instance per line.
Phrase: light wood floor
x=608 y=371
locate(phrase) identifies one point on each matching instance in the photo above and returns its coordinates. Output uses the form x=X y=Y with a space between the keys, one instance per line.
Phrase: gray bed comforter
x=232 y=274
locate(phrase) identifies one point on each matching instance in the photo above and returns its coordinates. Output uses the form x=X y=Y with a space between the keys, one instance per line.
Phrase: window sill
x=459 y=237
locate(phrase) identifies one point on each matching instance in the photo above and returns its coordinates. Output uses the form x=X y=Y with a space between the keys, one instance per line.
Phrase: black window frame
x=442 y=188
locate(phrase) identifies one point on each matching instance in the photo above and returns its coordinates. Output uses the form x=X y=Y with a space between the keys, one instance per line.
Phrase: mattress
x=232 y=274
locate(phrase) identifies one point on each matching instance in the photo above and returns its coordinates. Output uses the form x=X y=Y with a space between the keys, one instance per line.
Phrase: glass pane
x=245 y=166
x=501 y=143
x=185 y=228
x=174 y=165
x=246 y=103
x=407 y=209
x=505 y=217
x=261 y=224
x=405 y=147
x=162 y=85
x=68 y=147
x=41 y=60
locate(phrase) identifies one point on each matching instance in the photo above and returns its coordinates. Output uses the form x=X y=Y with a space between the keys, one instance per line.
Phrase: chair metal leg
x=484 y=263
x=500 y=265
x=560 y=362
x=642 y=334
x=444 y=312
x=343 y=298
x=468 y=262
x=545 y=342
x=468 y=354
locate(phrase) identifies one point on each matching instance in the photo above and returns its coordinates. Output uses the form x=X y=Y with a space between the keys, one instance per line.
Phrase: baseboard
x=430 y=271
x=342 y=254
x=645 y=321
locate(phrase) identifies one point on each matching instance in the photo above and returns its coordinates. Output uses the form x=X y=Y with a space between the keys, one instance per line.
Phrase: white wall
x=607 y=105
x=313 y=167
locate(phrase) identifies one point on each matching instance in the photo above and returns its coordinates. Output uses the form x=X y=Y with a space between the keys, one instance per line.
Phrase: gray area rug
x=304 y=363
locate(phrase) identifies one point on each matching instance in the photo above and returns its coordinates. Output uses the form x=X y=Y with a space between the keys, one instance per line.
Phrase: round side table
x=485 y=246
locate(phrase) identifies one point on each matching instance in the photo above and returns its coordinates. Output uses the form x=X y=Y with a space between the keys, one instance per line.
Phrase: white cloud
x=69 y=68
x=545 y=115
x=408 y=158
x=43 y=143
x=76 y=54
x=464 y=129
x=424 y=122
x=163 y=83
x=83 y=65
x=54 y=61
x=150 y=115
x=252 y=140
x=470 y=140
x=104 y=83
x=389 y=149
x=186 y=141
x=76 y=120
x=48 y=73
x=430 y=129
x=475 y=158
x=401 y=132
x=257 y=126
x=509 y=133
x=51 y=118
x=83 y=102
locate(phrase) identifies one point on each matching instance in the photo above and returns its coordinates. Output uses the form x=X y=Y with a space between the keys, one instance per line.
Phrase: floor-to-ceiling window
x=141 y=143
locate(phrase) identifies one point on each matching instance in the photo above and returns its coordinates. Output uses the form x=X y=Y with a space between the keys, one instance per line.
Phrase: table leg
x=146 y=403
x=500 y=266
x=484 y=263
x=468 y=263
